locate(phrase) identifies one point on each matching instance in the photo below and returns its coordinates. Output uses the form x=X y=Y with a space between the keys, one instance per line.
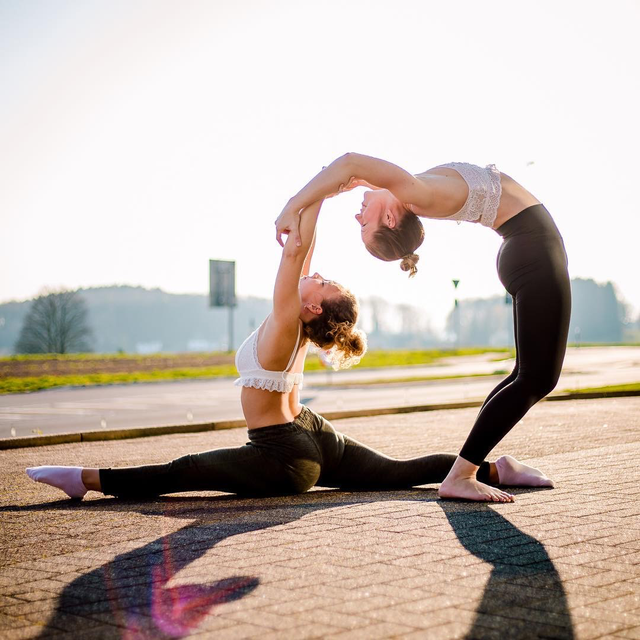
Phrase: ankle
x=91 y=479
x=462 y=470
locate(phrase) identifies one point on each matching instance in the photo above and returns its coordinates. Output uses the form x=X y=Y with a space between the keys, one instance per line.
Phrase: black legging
x=282 y=459
x=532 y=266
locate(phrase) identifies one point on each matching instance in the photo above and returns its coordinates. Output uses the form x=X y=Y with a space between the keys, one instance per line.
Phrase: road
x=66 y=410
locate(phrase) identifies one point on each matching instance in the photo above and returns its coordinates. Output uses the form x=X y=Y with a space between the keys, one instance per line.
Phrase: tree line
x=134 y=320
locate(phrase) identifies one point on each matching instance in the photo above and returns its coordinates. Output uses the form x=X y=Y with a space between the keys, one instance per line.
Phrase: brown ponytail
x=409 y=263
x=400 y=242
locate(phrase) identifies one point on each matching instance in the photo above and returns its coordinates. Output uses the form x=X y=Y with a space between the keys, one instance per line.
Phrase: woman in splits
x=532 y=265
x=290 y=448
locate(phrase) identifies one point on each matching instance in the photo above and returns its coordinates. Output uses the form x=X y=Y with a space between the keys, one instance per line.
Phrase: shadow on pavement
x=524 y=597
x=131 y=598
x=130 y=593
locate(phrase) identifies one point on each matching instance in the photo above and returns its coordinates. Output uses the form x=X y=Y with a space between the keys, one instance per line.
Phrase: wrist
x=296 y=205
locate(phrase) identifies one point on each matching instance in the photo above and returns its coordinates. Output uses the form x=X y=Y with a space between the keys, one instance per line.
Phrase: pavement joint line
x=144 y=432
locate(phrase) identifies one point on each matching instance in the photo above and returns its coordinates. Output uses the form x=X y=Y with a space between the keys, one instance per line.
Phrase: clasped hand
x=288 y=221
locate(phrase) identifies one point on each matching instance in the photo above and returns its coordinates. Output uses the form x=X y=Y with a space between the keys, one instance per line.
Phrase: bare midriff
x=514 y=199
x=267 y=408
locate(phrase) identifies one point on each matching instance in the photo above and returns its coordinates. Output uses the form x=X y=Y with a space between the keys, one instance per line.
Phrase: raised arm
x=306 y=268
x=349 y=171
x=295 y=259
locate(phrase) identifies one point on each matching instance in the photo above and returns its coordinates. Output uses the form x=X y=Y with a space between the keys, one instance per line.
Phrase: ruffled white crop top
x=484 y=192
x=252 y=374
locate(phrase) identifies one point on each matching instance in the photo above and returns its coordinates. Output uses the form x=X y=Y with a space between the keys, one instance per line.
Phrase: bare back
x=450 y=192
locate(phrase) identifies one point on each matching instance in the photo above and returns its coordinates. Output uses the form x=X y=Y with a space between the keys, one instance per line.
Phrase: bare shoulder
x=448 y=191
x=276 y=341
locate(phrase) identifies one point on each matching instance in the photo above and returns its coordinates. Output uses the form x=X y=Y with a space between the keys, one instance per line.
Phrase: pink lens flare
x=174 y=611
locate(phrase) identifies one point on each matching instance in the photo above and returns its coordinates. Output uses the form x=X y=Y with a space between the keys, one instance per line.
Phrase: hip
x=308 y=437
x=532 y=246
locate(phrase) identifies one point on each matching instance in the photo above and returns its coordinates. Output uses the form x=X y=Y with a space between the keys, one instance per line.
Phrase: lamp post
x=508 y=301
x=456 y=313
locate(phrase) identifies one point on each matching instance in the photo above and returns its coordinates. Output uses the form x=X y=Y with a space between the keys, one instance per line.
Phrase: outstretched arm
x=306 y=268
x=349 y=171
x=295 y=259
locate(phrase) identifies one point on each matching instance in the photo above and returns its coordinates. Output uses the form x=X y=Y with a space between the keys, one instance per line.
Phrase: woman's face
x=379 y=207
x=370 y=214
x=315 y=289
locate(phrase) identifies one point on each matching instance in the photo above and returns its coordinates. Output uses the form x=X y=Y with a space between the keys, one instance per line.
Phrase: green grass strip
x=634 y=386
x=36 y=383
x=373 y=359
x=364 y=383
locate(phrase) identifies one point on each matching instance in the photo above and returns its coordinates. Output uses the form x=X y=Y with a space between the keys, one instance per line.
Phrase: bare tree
x=411 y=319
x=55 y=323
x=378 y=307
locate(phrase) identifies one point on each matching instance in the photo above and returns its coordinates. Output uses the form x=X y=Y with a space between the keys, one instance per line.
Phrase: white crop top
x=252 y=374
x=484 y=192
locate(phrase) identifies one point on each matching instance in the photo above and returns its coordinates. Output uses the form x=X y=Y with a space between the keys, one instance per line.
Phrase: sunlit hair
x=399 y=243
x=334 y=330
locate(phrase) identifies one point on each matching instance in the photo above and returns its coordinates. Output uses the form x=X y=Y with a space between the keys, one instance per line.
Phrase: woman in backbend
x=290 y=447
x=532 y=265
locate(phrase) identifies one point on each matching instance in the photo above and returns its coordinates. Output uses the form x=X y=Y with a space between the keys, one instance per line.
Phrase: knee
x=183 y=465
x=305 y=476
x=540 y=385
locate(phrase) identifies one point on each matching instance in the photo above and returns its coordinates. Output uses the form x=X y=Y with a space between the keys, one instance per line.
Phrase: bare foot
x=516 y=474
x=461 y=483
x=472 y=489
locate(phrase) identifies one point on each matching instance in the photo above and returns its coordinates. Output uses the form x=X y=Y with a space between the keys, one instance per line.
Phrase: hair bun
x=409 y=263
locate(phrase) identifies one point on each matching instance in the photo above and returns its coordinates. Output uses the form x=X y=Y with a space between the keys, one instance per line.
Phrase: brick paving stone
x=589 y=629
x=629 y=602
x=303 y=632
x=630 y=619
x=241 y=630
x=22 y=633
x=302 y=604
x=558 y=563
x=375 y=631
x=496 y=627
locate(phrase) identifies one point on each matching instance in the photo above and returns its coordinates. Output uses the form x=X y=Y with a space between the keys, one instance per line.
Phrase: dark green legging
x=532 y=265
x=283 y=459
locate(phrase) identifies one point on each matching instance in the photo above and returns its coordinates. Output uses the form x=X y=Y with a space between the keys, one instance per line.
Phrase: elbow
x=292 y=252
x=349 y=159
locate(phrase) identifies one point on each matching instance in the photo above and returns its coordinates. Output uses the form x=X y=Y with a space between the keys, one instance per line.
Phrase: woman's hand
x=351 y=184
x=288 y=222
x=345 y=173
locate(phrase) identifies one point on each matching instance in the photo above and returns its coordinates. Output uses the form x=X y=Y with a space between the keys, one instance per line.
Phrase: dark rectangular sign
x=222 y=283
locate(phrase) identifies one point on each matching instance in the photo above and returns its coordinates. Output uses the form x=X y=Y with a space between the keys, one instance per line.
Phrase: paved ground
x=197 y=401
x=561 y=563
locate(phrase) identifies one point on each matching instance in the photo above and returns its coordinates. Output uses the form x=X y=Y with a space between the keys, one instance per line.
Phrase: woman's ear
x=389 y=219
x=316 y=309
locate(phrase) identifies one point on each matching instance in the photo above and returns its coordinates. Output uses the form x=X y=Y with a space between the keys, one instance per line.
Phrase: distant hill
x=597 y=316
x=139 y=320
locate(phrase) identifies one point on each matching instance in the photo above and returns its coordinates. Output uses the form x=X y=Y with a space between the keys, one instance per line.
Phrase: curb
x=144 y=432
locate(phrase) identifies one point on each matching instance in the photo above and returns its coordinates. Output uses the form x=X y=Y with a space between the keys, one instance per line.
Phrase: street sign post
x=222 y=289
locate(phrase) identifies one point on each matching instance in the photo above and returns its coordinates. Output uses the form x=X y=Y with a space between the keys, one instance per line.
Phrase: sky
x=139 y=139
